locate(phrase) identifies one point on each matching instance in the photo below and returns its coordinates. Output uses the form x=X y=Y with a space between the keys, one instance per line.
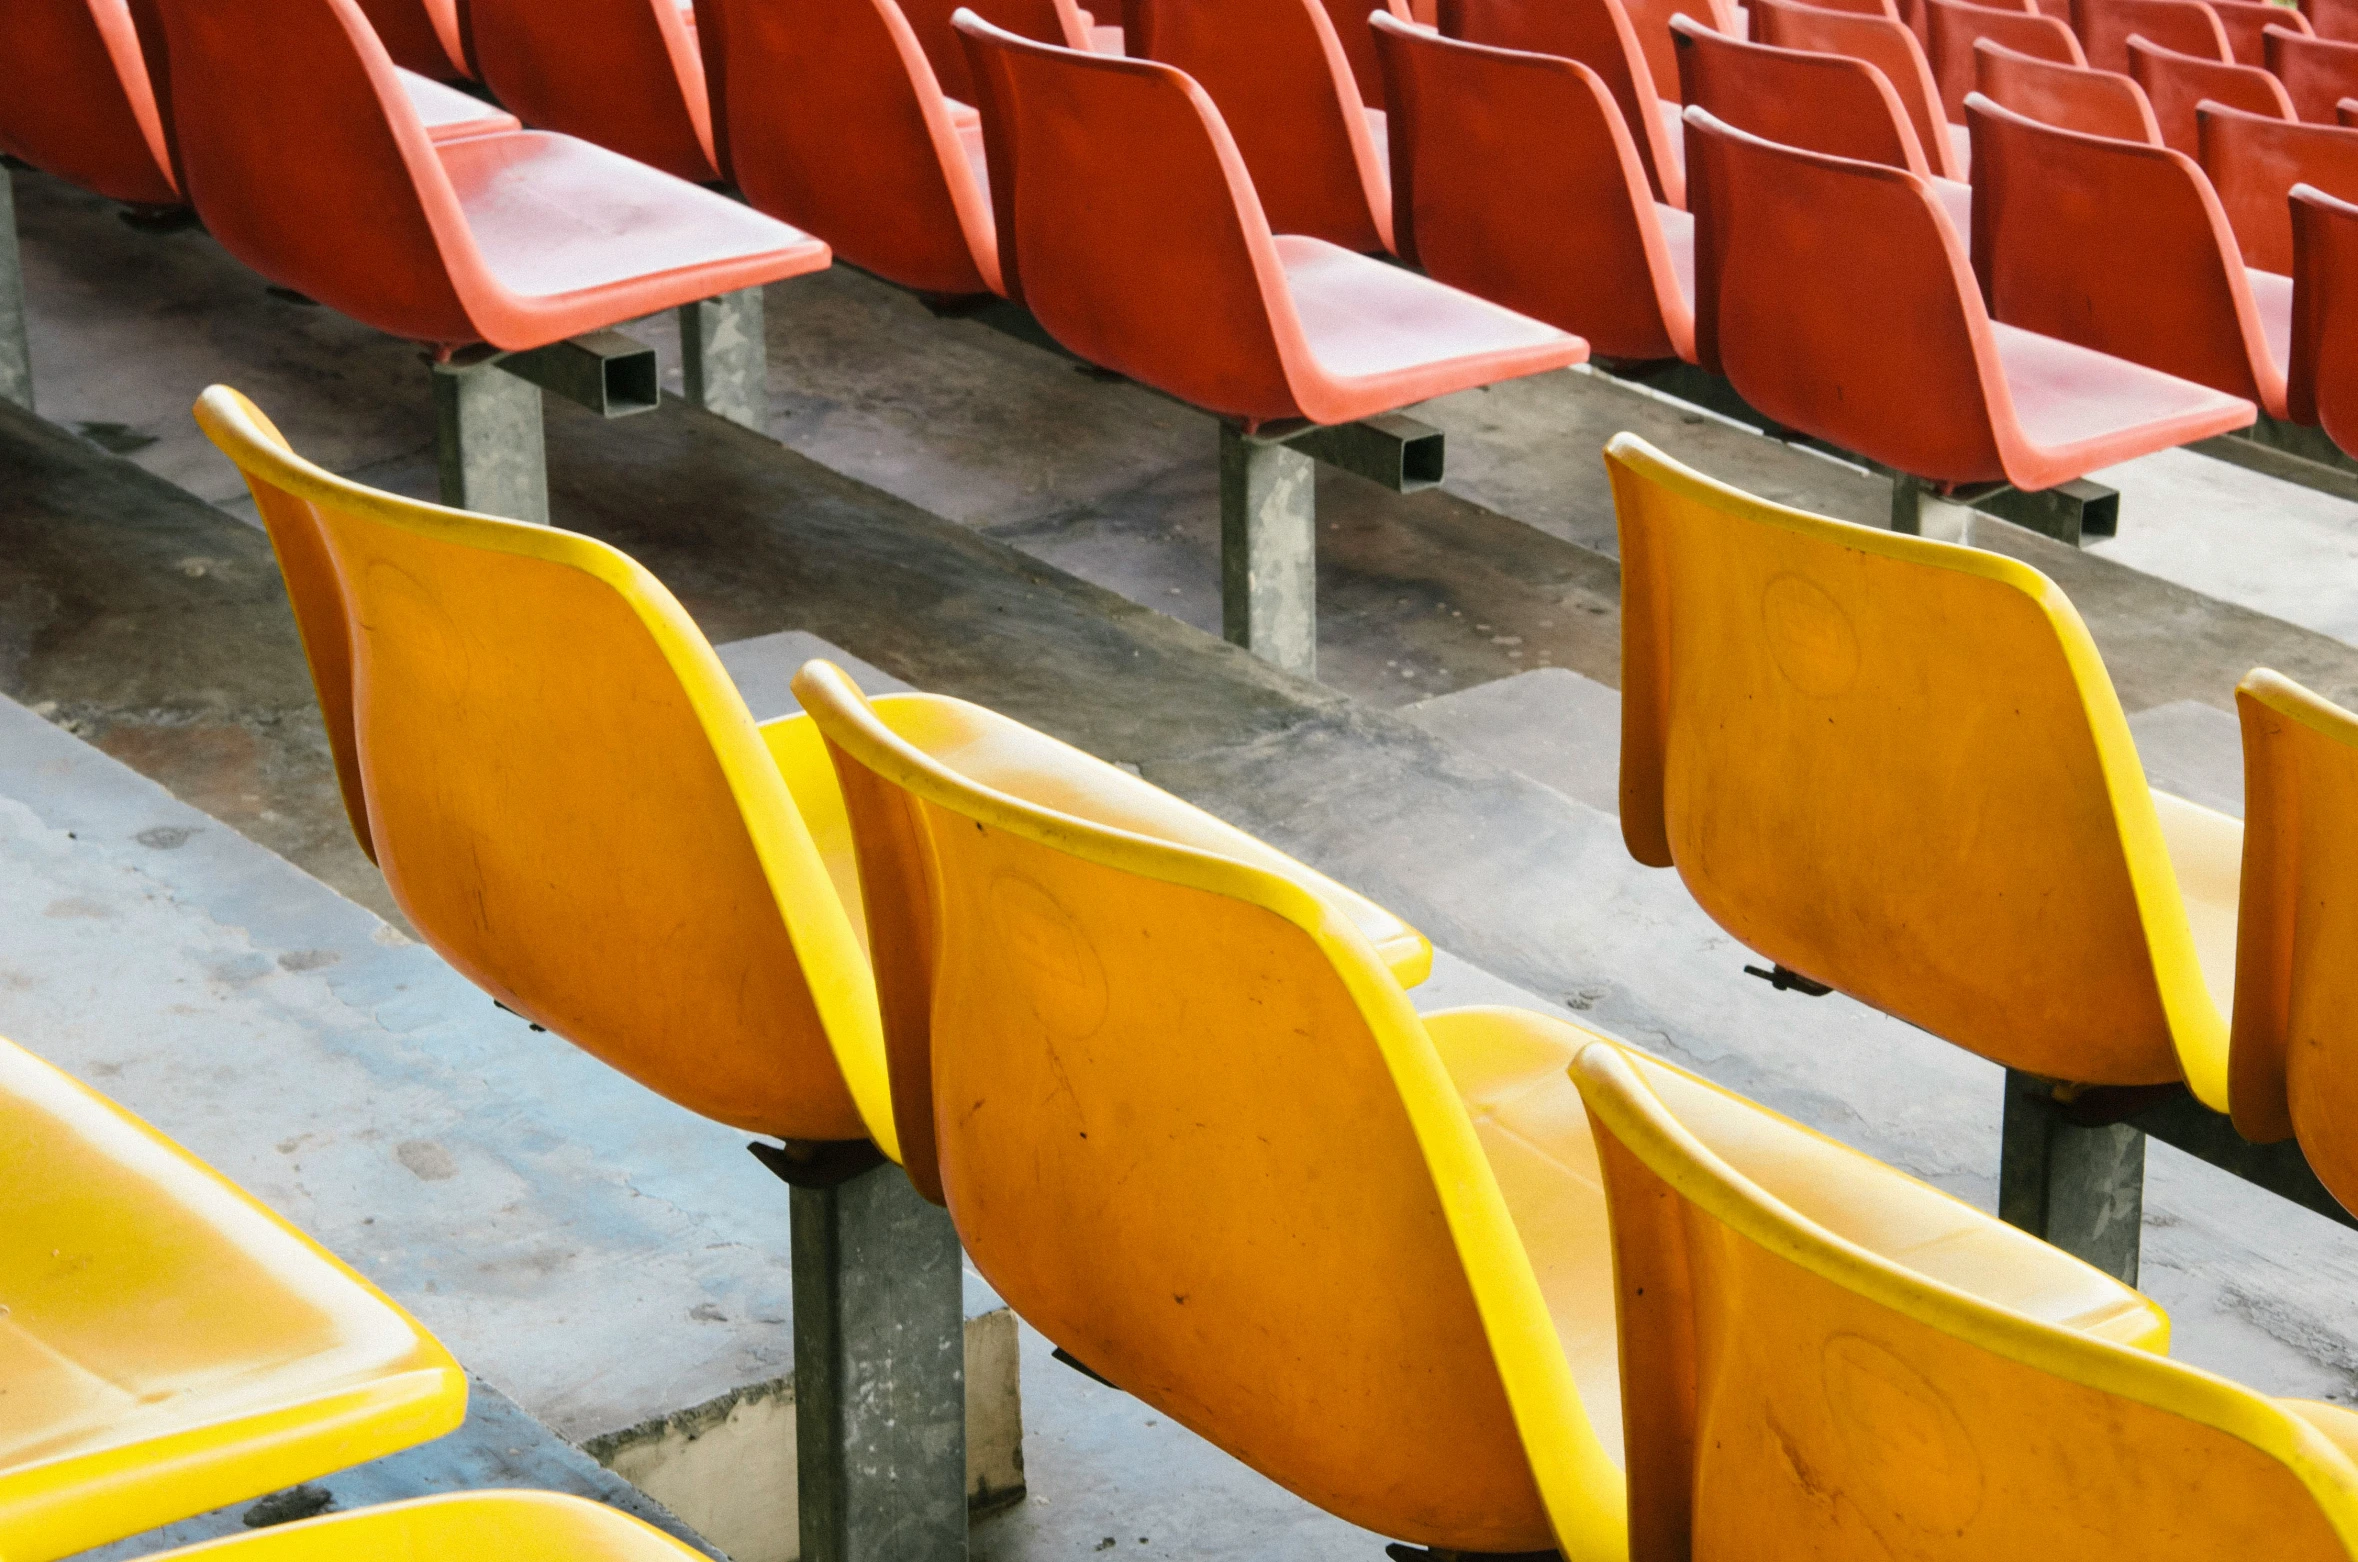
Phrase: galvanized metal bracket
x=1392 y=449
x=2175 y=1118
x=488 y=441
x=2292 y=452
x=2079 y=1187
x=724 y=357
x=2069 y=512
x=16 y=352
x=611 y=374
x=1269 y=549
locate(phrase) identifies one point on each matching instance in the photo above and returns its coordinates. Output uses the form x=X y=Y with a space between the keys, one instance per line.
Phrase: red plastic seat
x=2122 y=248
x=1126 y=209
x=2101 y=103
x=2174 y=83
x=1956 y=27
x=844 y=132
x=625 y=74
x=1835 y=295
x=2317 y=72
x=1285 y=90
x=1600 y=35
x=1049 y=21
x=2321 y=383
x=1650 y=21
x=2246 y=24
x=1351 y=30
x=2336 y=19
x=306 y=161
x=85 y=112
x=1827 y=103
x=2187 y=26
x=2345 y=112
x=422 y=35
x=1514 y=178
x=2254 y=161
x=1890 y=46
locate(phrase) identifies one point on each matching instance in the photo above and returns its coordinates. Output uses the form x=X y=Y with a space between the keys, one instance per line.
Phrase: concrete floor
x=973 y=515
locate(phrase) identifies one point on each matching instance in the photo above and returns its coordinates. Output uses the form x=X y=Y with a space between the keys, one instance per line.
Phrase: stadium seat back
x=1650 y=21
x=2253 y=160
x=425 y=36
x=2316 y=72
x=1044 y=21
x=2321 y=383
x=1897 y=767
x=1890 y=46
x=2336 y=19
x=1779 y=1363
x=2096 y=102
x=1515 y=178
x=2055 y=210
x=1825 y=103
x=86 y=111
x=2246 y=24
x=1956 y=27
x=2176 y=84
x=1349 y=19
x=625 y=74
x=2188 y=26
x=570 y=802
x=1600 y=35
x=1183 y=1116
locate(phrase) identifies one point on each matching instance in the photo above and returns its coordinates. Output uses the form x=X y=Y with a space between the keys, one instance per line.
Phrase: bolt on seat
x=1283 y=85
x=1600 y=35
x=2321 y=384
x=1956 y=27
x=2253 y=160
x=2177 y=84
x=1892 y=48
x=1515 y=178
x=623 y=74
x=2123 y=248
x=2317 y=72
x=169 y=1345
x=1184 y=1115
x=2097 y=103
x=2188 y=26
x=517 y=1526
x=1789 y=1363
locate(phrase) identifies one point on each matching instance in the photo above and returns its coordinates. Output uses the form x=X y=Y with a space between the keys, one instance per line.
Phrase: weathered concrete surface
x=1549 y=725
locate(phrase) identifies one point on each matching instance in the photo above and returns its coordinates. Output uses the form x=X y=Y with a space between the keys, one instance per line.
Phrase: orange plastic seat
x=170 y=1345
x=1650 y=21
x=2293 y=1071
x=1514 y=177
x=2316 y=72
x=842 y=129
x=422 y=35
x=1600 y=35
x=1835 y=295
x=2336 y=19
x=1049 y=21
x=2099 y=103
x=2254 y=160
x=516 y=239
x=1830 y=103
x=1183 y=1115
x=1957 y=830
x=1853 y=1406
x=2321 y=383
x=1141 y=247
x=85 y=112
x=1283 y=85
x=624 y=74
x=1891 y=47
x=2176 y=83
x=2187 y=26
x=2123 y=248
x=2246 y=24
x=516 y=1526
x=1349 y=19
x=1956 y=27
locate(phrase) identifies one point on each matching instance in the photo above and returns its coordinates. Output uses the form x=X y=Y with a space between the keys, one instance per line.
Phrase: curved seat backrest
x=1954 y=827
x=2246 y=24
x=1349 y=19
x=1800 y=1351
x=1043 y=21
x=1284 y=89
x=625 y=74
x=2337 y=19
x=2254 y=160
x=1141 y=244
x=1600 y=35
x=1194 y=1115
x=1650 y=21
x=843 y=132
x=569 y=800
x=2317 y=72
x=85 y=111
x=2293 y=1063
x=1515 y=178
x=2321 y=384
x=2187 y=26
x=301 y=152
x=1888 y=45
x=2099 y=103
x=1956 y=27
x=2175 y=84
x=1829 y=103
x=2054 y=211
x=421 y=35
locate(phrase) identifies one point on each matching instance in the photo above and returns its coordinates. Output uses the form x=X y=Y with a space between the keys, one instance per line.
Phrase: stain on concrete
x=428 y=1161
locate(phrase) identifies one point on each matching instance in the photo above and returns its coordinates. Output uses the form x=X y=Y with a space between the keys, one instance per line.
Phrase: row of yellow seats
x=1898 y=767
x=1480 y=1280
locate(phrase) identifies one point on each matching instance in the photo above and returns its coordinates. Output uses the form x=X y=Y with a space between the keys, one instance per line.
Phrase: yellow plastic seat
x=1191 y=1128
x=473 y=1526
x=1897 y=767
x=168 y=1345
x=2294 y=1063
x=1803 y=1396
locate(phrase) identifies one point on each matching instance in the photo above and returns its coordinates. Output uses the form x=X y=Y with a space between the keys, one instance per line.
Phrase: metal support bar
x=724 y=357
x=1399 y=452
x=1269 y=549
x=2293 y=452
x=2183 y=1123
x=2079 y=1188
x=611 y=374
x=2069 y=512
x=879 y=1373
x=16 y=353
x=488 y=441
